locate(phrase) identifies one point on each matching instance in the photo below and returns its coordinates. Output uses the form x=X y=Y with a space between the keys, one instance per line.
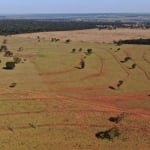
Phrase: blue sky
x=73 y=6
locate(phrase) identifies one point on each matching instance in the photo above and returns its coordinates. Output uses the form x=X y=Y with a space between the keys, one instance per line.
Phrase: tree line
x=133 y=41
x=10 y=27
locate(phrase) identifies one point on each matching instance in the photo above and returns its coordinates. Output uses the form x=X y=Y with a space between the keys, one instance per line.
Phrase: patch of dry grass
x=94 y=35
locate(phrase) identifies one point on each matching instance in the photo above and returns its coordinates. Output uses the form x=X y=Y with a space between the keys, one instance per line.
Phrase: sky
x=74 y=6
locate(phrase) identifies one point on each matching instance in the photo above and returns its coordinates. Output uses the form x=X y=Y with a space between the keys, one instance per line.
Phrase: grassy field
x=56 y=106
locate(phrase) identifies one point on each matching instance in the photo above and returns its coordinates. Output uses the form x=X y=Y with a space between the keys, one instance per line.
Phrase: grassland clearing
x=92 y=35
x=57 y=106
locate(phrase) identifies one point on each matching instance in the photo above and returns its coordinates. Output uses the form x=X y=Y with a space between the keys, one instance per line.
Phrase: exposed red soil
x=117 y=97
x=121 y=126
x=105 y=104
x=57 y=72
x=20 y=113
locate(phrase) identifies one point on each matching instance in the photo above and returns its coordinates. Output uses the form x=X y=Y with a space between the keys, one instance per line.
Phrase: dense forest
x=9 y=27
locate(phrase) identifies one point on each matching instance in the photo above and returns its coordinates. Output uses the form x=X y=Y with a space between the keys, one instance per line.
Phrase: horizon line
x=37 y=13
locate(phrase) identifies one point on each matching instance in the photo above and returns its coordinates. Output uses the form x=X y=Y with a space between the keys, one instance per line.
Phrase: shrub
x=73 y=50
x=133 y=66
x=10 y=65
x=3 y=48
x=12 y=85
x=117 y=119
x=111 y=87
x=108 y=134
x=89 y=51
x=8 y=54
x=80 y=49
x=120 y=83
x=68 y=41
x=5 y=41
x=82 y=64
x=127 y=58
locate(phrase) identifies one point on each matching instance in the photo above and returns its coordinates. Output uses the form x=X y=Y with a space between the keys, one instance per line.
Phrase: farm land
x=49 y=102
